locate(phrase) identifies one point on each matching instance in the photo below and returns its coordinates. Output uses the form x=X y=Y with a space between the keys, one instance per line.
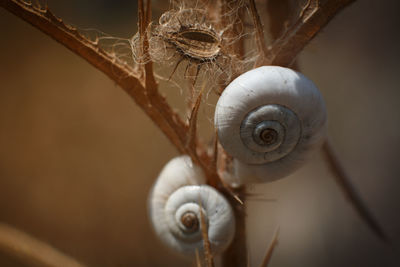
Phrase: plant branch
x=262 y=49
x=151 y=85
x=31 y=251
x=192 y=134
x=278 y=17
x=130 y=80
x=118 y=71
x=343 y=180
x=209 y=259
x=312 y=19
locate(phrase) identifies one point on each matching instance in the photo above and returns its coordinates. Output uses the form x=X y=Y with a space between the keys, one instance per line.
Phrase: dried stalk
x=142 y=86
x=261 y=47
x=191 y=143
x=312 y=19
x=131 y=81
x=278 y=14
x=206 y=242
x=31 y=251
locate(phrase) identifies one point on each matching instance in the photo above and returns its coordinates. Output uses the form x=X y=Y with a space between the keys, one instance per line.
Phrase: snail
x=176 y=201
x=269 y=119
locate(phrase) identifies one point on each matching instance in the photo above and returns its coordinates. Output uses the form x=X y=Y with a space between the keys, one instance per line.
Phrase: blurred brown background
x=77 y=157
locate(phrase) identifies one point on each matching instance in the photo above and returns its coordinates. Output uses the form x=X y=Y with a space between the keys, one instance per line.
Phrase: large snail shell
x=175 y=203
x=268 y=119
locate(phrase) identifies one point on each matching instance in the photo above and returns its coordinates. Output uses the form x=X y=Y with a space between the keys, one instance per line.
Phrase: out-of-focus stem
x=343 y=180
x=32 y=251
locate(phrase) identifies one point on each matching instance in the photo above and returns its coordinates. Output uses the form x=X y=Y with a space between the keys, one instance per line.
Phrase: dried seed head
x=189 y=32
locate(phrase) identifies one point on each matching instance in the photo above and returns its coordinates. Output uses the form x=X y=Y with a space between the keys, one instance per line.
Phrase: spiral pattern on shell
x=176 y=201
x=269 y=119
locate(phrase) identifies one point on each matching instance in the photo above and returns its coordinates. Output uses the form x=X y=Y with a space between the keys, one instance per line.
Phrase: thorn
x=176 y=66
x=270 y=250
x=186 y=70
x=197 y=74
x=230 y=191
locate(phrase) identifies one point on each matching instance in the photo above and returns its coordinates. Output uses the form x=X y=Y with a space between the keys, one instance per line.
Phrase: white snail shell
x=176 y=200
x=269 y=119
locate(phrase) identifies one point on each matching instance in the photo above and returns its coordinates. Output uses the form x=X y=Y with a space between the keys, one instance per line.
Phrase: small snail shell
x=175 y=204
x=269 y=119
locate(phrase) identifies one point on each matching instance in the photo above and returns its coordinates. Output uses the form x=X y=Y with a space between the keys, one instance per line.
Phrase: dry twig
x=131 y=81
x=261 y=47
x=206 y=242
x=312 y=19
x=142 y=86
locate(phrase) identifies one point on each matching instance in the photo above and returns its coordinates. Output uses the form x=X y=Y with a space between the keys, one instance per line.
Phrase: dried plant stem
x=206 y=242
x=314 y=16
x=131 y=81
x=151 y=85
x=191 y=143
x=31 y=251
x=262 y=49
x=118 y=71
x=343 y=180
x=278 y=17
x=141 y=85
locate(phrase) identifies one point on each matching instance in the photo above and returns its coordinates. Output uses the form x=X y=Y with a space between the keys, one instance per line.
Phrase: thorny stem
x=143 y=90
x=31 y=251
x=312 y=19
x=128 y=79
x=118 y=71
